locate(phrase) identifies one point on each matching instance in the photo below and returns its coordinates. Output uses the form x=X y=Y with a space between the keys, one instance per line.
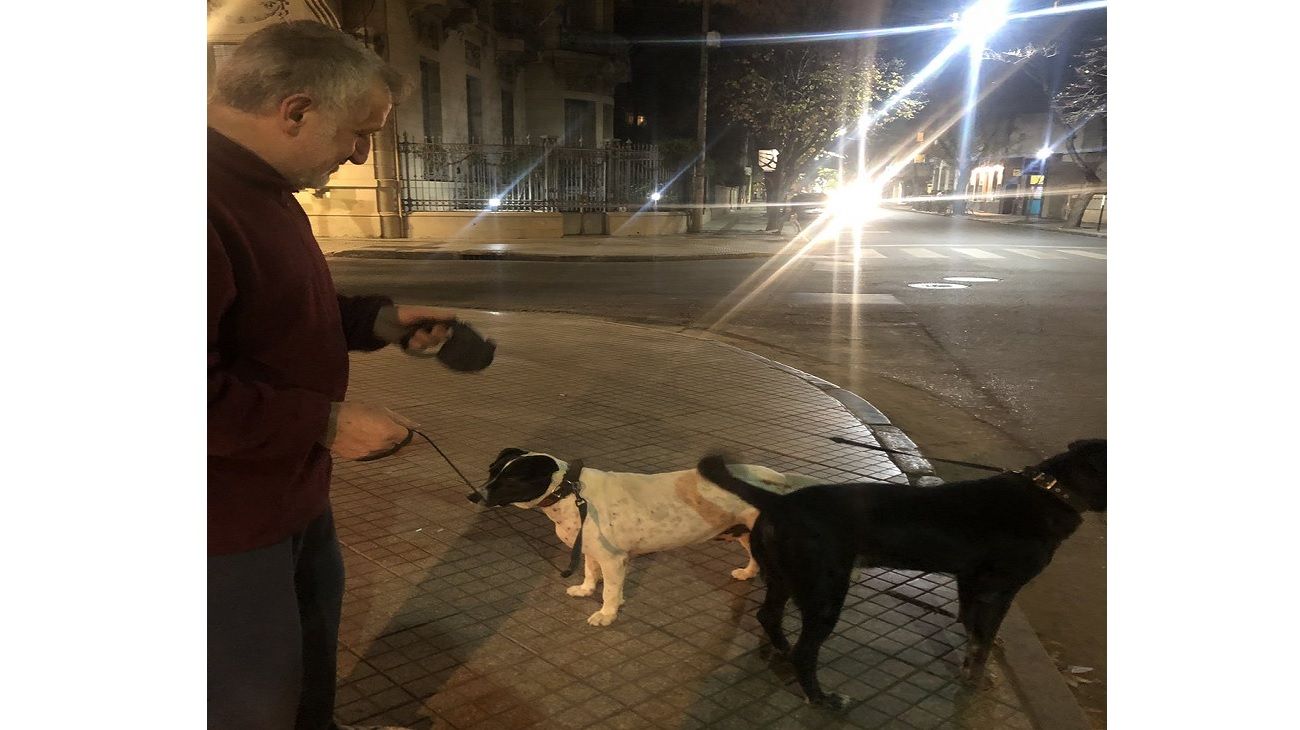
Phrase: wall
x=469 y=225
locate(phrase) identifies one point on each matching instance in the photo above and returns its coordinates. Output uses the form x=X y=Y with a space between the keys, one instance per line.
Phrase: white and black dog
x=629 y=514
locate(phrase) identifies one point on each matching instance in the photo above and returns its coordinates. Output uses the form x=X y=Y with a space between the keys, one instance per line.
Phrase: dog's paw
x=976 y=679
x=832 y=701
x=580 y=591
x=743 y=574
x=600 y=618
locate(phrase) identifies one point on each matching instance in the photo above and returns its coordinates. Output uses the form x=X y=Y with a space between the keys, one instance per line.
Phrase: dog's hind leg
x=981 y=613
x=613 y=568
x=750 y=569
x=773 y=610
x=590 y=574
x=820 y=602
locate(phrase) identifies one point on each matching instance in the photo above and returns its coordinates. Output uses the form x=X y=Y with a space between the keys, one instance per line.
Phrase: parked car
x=807 y=207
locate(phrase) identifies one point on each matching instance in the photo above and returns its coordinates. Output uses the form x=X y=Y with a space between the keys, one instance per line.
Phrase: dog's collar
x=571 y=484
x=1049 y=484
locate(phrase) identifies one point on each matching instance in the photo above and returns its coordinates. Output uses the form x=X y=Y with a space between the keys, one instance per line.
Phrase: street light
x=983 y=19
x=978 y=23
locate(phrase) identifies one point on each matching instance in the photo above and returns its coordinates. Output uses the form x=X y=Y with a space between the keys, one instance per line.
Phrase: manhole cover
x=937 y=285
x=973 y=279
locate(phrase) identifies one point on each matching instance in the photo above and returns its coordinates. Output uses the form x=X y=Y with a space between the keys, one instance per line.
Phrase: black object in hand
x=465 y=351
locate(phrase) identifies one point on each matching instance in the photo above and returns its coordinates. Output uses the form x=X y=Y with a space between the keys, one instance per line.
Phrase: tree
x=1083 y=99
x=988 y=136
x=1085 y=96
x=797 y=98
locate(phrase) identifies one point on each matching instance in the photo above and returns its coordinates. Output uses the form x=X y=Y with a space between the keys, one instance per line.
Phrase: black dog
x=993 y=534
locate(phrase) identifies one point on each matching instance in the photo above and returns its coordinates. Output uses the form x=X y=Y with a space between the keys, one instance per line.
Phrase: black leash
x=570 y=482
x=972 y=465
x=1044 y=481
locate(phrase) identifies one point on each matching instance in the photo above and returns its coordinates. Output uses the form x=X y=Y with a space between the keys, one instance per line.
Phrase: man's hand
x=392 y=323
x=358 y=430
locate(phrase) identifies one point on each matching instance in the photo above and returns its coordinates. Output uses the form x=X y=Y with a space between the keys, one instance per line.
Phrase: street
x=1004 y=370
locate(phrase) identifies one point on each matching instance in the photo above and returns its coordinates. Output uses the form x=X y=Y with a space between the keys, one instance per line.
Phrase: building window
x=607 y=117
x=473 y=55
x=507 y=116
x=579 y=123
x=431 y=99
x=474 y=108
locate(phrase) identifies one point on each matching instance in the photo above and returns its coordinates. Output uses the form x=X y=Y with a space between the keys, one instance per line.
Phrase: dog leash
x=972 y=465
x=571 y=484
x=1042 y=480
x=576 y=555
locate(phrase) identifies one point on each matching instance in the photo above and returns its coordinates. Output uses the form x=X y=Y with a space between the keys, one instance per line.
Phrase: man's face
x=327 y=140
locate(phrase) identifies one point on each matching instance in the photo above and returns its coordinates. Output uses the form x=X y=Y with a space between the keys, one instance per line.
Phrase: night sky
x=664 y=78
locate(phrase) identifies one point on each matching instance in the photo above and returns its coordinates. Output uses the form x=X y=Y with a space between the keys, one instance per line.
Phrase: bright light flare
x=851 y=206
x=655 y=196
x=1044 y=153
x=983 y=19
x=494 y=202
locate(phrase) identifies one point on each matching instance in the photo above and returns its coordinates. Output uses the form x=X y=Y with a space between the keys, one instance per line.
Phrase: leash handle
x=389 y=451
x=426 y=326
x=972 y=465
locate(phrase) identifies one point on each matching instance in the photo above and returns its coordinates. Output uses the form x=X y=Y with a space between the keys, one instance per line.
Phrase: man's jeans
x=273 y=626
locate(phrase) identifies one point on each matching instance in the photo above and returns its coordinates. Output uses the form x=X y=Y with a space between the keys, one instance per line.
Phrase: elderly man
x=294 y=103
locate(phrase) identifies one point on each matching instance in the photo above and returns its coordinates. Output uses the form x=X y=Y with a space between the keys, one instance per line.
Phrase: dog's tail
x=714 y=468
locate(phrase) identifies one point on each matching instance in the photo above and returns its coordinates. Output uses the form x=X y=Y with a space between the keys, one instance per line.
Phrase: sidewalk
x=455 y=615
x=714 y=244
x=1014 y=220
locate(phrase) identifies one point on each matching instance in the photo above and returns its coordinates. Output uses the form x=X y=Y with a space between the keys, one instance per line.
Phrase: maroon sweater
x=278 y=337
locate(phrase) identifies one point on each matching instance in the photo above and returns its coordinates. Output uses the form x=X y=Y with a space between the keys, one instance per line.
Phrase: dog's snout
x=474 y=497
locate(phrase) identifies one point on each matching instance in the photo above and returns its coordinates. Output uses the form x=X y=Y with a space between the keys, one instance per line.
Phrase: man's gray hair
x=302 y=56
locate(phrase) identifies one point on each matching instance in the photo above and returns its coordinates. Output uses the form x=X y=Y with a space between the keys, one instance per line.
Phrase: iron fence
x=541 y=176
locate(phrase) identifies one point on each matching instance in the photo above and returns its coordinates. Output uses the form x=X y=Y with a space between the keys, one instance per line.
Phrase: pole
x=747 y=164
x=696 y=221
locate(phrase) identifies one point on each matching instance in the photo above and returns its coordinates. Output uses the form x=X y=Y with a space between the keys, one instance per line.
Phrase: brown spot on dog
x=687 y=488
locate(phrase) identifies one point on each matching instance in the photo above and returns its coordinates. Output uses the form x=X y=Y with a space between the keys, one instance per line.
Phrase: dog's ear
x=502 y=459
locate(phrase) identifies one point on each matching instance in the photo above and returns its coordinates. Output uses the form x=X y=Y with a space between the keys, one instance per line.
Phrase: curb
x=366 y=253
x=1071 y=231
x=1048 y=702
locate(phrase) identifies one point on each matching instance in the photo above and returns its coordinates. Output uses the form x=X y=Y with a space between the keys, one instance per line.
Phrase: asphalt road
x=1003 y=371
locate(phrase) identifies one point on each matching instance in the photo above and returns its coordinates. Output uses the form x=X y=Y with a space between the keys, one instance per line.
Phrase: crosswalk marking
x=976 y=253
x=1089 y=254
x=1031 y=253
x=861 y=298
x=845 y=255
x=923 y=253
